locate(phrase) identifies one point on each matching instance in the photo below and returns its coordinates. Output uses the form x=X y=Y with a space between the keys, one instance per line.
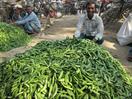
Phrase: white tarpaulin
x=124 y=36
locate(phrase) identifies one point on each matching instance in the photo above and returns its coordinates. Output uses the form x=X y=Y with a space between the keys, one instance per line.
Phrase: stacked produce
x=67 y=69
x=11 y=37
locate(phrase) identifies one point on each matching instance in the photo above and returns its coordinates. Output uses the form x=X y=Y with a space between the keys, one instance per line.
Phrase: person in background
x=90 y=25
x=30 y=21
x=18 y=13
x=104 y=5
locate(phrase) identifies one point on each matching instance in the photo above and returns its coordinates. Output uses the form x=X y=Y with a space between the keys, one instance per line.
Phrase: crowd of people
x=90 y=24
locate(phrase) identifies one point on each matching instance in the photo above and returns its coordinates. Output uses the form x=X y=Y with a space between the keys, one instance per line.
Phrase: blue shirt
x=32 y=17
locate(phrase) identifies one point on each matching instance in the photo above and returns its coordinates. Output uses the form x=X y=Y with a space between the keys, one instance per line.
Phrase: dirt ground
x=65 y=27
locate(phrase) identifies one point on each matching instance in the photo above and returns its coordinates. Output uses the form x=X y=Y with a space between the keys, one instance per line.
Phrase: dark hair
x=89 y=3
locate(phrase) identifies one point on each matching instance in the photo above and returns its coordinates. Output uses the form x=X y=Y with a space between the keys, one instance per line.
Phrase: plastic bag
x=124 y=36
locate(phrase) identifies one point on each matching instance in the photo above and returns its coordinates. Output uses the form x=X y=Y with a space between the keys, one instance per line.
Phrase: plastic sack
x=124 y=35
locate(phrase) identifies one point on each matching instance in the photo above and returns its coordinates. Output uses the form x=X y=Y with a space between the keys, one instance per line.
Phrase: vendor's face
x=29 y=9
x=91 y=9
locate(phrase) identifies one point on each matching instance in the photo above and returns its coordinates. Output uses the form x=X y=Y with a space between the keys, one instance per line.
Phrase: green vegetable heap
x=67 y=69
x=11 y=37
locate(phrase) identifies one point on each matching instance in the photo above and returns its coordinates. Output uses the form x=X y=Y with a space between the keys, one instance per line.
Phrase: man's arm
x=100 y=29
x=25 y=20
x=79 y=26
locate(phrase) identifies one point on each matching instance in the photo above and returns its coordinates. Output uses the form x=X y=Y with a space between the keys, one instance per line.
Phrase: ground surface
x=66 y=26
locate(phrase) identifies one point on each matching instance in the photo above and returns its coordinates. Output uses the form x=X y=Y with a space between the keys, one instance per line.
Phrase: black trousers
x=83 y=36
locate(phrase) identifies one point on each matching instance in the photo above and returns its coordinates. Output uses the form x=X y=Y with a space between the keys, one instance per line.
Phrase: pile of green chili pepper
x=66 y=69
x=12 y=37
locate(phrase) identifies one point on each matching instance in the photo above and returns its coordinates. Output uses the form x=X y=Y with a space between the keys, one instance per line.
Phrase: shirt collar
x=93 y=18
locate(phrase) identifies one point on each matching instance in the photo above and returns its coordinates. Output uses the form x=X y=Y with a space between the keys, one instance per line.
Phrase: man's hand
x=77 y=34
x=98 y=37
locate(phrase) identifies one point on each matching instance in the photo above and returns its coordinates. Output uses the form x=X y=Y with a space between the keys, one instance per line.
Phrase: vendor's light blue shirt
x=30 y=18
x=93 y=27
